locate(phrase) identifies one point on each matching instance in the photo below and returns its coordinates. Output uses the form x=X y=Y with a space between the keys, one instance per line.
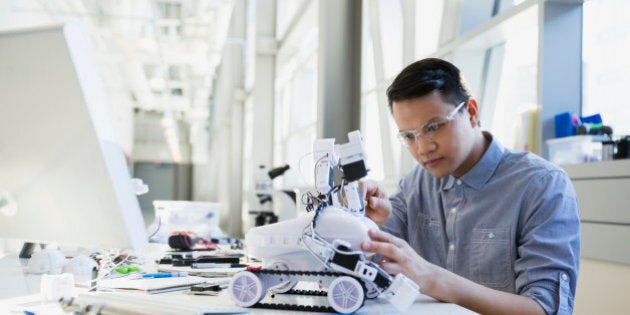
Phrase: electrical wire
x=315 y=239
x=157 y=229
x=107 y=271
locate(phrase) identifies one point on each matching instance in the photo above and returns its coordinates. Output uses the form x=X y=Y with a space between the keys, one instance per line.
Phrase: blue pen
x=165 y=275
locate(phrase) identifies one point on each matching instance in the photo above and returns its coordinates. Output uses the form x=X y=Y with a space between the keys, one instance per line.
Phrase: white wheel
x=285 y=286
x=371 y=292
x=246 y=289
x=288 y=283
x=346 y=295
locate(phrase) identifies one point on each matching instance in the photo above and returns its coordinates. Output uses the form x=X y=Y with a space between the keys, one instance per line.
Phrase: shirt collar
x=479 y=174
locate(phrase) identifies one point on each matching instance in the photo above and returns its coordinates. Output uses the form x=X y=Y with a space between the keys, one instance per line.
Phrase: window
x=296 y=99
x=500 y=63
x=494 y=43
x=605 y=50
x=169 y=10
x=391 y=31
x=510 y=89
x=382 y=58
x=428 y=21
x=287 y=10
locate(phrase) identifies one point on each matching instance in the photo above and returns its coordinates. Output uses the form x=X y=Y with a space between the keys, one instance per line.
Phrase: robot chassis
x=321 y=246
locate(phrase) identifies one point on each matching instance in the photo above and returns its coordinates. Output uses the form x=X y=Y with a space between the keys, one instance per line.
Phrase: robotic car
x=322 y=246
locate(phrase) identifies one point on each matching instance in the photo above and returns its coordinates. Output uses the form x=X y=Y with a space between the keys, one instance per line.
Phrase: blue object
x=564 y=125
x=164 y=275
x=593 y=119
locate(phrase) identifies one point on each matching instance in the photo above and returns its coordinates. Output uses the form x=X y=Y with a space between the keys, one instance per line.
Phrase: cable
x=159 y=224
x=107 y=272
x=313 y=238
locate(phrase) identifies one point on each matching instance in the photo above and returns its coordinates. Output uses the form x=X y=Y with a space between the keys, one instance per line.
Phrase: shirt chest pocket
x=428 y=240
x=490 y=257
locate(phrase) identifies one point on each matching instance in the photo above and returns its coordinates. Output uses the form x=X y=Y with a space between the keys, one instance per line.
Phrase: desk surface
x=18 y=289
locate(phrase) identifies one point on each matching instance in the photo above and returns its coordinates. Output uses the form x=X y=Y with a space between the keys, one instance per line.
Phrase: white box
x=575 y=149
x=201 y=218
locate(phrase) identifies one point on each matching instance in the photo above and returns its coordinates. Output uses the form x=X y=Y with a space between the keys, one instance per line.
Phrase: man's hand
x=399 y=257
x=442 y=284
x=377 y=206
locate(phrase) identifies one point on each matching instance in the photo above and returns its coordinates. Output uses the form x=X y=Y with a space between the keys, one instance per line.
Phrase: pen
x=165 y=275
x=216 y=265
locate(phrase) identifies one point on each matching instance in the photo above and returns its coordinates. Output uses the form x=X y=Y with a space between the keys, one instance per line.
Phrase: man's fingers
x=385 y=245
x=390 y=267
x=385 y=237
x=387 y=250
x=370 y=188
x=379 y=235
x=377 y=203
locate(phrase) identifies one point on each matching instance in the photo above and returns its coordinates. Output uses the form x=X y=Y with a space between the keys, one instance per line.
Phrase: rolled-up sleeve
x=549 y=245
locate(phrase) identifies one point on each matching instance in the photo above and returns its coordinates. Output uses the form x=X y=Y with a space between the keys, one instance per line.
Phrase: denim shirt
x=510 y=223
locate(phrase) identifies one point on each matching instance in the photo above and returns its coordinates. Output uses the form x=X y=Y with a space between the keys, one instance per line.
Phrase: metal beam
x=339 y=73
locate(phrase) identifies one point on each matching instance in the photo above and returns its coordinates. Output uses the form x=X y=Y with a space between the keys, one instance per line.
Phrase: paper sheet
x=151 y=285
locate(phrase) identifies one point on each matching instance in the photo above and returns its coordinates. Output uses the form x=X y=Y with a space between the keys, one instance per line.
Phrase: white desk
x=13 y=282
x=18 y=289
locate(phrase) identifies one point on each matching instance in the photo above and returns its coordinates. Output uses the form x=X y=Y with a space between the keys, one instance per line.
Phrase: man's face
x=442 y=146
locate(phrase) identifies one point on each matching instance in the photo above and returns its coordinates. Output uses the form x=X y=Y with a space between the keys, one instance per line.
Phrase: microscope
x=273 y=205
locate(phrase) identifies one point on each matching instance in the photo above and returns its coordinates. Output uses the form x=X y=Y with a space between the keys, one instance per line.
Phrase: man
x=473 y=223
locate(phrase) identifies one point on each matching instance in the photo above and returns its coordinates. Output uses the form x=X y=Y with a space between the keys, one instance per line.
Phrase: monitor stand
x=27 y=249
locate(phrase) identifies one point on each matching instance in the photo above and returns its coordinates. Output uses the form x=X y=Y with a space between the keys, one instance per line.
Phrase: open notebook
x=124 y=303
x=151 y=285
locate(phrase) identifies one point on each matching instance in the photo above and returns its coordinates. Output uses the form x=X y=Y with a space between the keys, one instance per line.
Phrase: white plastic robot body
x=282 y=240
x=293 y=245
x=354 y=202
x=325 y=158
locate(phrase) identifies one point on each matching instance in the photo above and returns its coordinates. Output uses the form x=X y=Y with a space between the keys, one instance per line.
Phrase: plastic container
x=608 y=150
x=575 y=149
x=201 y=218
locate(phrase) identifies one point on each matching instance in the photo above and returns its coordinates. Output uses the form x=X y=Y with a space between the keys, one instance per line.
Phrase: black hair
x=425 y=76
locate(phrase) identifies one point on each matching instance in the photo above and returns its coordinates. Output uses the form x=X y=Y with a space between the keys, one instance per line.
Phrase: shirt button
x=491 y=235
x=454 y=210
x=564 y=277
x=459 y=182
x=451 y=247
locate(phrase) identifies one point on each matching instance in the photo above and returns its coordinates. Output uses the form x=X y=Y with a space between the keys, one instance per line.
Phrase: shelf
x=602 y=190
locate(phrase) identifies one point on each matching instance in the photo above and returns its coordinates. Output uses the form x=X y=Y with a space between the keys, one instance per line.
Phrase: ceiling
x=158 y=60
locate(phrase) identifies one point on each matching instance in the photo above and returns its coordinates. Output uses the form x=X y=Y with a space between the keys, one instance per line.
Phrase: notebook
x=151 y=285
x=122 y=303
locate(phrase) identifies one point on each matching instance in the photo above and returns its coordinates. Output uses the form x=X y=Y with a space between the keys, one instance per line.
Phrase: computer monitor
x=63 y=177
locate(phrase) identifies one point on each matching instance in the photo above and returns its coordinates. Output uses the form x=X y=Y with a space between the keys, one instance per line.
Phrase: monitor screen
x=63 y=177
